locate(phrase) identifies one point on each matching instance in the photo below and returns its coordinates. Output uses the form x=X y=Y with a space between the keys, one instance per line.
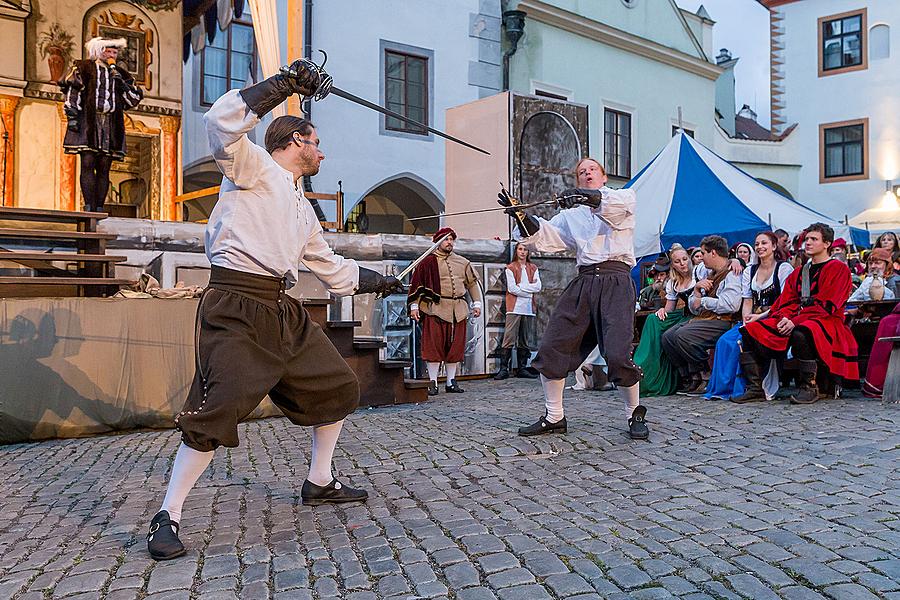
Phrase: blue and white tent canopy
x=688 y=192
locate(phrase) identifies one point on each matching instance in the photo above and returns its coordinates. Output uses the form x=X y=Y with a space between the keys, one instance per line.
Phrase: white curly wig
x=95 y=46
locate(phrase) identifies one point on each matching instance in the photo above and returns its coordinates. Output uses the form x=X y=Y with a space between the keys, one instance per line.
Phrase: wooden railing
x=337 y=198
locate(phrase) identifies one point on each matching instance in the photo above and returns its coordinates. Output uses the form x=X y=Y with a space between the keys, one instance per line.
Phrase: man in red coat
x=808 y=318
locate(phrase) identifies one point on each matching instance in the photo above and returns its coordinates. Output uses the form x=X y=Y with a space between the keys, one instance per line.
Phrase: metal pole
x=3 y=175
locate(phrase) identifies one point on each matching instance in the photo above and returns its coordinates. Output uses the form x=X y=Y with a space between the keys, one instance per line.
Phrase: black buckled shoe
x=695 y=386
x=453 y=388
x=544 y=426
x=333 y=493
x=637 y=425
x=162 y=540
x=432 y=388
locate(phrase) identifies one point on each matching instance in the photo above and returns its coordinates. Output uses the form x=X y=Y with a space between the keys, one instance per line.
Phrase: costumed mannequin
x=597 y=307
x=98 y=91
x=808 y=318
x=437 y=300
x=523 y=281
x=259 y=232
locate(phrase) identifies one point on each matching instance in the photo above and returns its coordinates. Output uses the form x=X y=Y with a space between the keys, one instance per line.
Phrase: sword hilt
x=518 y=215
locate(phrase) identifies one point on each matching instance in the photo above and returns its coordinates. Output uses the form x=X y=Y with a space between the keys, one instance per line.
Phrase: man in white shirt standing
x=523 y=281
x=597 y=307
x=251 y=338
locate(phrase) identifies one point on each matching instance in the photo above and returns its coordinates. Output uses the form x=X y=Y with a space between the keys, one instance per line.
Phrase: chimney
x=723 y=57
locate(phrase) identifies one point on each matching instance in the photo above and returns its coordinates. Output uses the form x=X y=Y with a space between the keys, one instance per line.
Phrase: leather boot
x=522 y=356
x=752 y=374
x=505 y=356
x=809 y=389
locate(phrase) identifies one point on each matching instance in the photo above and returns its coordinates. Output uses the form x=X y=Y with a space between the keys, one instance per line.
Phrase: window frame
x=617 y=134
x=864 y=42
x=228 y=52
x=865 y=151
x=688 y=132
x=405 y=127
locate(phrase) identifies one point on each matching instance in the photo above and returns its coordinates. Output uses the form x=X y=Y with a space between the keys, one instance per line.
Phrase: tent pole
x=770 y=220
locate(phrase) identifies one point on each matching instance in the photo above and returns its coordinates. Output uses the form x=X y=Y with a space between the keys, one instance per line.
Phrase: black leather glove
x=269 y=93
x=575 y=196
x=372 y=282
x=302 y=79
x=528 y=225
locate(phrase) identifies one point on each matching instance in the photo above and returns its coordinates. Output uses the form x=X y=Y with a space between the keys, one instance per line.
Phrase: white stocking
x=189 y=465
x=632 y=397
x=451 y=371
x=553 y=398
x=433 y=368
x=324 y=439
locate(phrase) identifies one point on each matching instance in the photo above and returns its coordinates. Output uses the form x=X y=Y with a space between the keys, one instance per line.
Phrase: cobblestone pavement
x=724 y=502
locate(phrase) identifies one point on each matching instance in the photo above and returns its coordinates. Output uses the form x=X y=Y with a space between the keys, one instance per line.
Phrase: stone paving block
x=568 y=584
x=476 y=593
x=628 y=577
x=86 y=582
x=751 y=587
x=510 y=577
x=849 y=591
x=461 y=575
x=524 y=592
x=814 y=572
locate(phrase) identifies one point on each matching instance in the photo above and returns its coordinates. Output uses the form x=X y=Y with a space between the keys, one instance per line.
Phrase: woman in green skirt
x=660 y=378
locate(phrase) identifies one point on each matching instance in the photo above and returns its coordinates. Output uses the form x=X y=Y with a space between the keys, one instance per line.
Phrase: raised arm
x=238 y=111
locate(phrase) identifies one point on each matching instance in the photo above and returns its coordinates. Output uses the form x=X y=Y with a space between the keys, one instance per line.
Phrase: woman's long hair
x=678 y=280
x=780 y=253
x=884 y=235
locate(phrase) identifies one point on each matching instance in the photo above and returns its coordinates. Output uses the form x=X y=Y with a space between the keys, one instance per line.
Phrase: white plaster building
x=421 y=57
x=836 y=74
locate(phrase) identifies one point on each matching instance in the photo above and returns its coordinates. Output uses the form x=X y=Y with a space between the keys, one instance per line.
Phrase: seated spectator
x=714 y=302
x=808 y=318
x=761 y=285
x=742 y=252
x=653 y=296
x=876 y=371
x=880 y=281
x=660 y=378
x=887 y=240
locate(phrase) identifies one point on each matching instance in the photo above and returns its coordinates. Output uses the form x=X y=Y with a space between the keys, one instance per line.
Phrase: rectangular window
x=688 y=132
x=228 y=62
x=406 y=90
x=844 y=151
x=617 y=143
x=842 y=43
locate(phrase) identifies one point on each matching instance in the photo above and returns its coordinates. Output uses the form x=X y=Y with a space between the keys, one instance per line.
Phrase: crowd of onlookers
x=741 y=321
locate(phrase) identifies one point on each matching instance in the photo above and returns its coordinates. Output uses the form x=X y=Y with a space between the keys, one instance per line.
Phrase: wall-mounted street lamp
x=514 y=25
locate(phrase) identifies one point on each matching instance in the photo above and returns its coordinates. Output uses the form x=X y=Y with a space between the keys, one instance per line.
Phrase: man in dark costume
x=597 y=307
x=252 y=339
x=98 y=92
x=437 y=300
x=808 y=318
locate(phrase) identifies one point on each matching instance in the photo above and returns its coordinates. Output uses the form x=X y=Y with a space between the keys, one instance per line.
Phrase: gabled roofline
x=574 y=23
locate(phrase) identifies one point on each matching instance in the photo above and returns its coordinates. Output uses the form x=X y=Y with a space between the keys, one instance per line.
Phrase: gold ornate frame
x=139 y=37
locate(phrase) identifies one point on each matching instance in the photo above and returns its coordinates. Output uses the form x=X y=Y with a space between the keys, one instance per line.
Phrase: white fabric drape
x=265 y=28
x=224 y=13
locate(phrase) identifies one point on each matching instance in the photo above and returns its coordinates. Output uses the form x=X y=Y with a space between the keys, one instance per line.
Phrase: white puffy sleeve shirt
x=262 y=222
x=595 y=234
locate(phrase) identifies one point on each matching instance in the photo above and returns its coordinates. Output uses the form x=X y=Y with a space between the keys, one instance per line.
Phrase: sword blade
x=386 y=111
x=422 y=257
x=481 y=210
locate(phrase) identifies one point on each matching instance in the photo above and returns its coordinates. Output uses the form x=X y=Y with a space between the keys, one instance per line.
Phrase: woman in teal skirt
x=660 y=378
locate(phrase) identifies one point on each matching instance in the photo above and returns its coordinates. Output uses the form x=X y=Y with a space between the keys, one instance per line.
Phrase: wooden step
x=368 y=343
x=48 y=216
x=395 y=363
x=64 y=281
x=59 y=256
x=413 y=391
x=49 y=234
x=342 y=324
